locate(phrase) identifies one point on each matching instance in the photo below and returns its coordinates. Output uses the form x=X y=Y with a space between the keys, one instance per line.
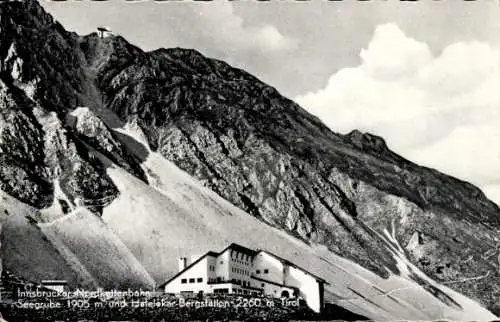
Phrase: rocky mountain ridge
x=236 y=135
x=269 y=157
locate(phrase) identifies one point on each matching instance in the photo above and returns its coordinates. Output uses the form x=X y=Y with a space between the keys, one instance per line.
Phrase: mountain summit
x=77 y=110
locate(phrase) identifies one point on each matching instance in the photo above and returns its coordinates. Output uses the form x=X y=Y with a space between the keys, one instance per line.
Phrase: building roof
x=287 y=262
x=232 y=246
x=240 y=249
x=248 y=251
x=210 y=253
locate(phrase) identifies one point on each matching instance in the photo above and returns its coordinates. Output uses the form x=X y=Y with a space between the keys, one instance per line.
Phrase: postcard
x=281 y=160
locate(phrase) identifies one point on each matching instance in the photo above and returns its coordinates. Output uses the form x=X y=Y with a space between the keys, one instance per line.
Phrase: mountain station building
x=240 y=270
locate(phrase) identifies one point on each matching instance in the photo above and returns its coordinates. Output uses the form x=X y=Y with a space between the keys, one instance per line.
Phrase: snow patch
x=132 y=129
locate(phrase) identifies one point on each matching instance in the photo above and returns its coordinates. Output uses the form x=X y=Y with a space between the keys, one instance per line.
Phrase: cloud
x=231 y=31
x=391 y=55
x=212 y=26
x=440 y=111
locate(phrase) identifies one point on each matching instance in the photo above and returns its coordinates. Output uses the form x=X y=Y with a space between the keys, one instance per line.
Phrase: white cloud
x=212 y=27
x=230 y=30
x=391 y=54
x=440 y=111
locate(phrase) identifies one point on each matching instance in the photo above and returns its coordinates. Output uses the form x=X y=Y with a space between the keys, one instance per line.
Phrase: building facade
x=55 y=285
x=241 y=270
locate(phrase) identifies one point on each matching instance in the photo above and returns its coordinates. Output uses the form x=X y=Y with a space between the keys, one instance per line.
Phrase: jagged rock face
x=43 y=77
x=265 y=154
x=20 y=171
x=93 y=131
x=239 y=137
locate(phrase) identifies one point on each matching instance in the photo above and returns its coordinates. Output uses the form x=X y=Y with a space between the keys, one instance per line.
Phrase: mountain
x=146 y=156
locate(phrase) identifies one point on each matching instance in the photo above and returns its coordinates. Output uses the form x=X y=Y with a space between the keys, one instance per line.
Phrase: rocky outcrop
x=93 y=131
x=43 y=77
x=236 y=135
x=265 y=154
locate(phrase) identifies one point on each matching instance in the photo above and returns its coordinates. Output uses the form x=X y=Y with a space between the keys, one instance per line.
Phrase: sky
x=424 y=75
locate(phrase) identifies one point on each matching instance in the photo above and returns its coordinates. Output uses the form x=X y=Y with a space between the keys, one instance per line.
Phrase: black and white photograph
x=246 y=160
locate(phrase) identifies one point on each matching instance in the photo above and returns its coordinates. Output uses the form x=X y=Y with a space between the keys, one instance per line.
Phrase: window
x=266 y=271
x=258 y=271
x=199 y=280
x=221 y=290
x=191 y=280
x=183 y=281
